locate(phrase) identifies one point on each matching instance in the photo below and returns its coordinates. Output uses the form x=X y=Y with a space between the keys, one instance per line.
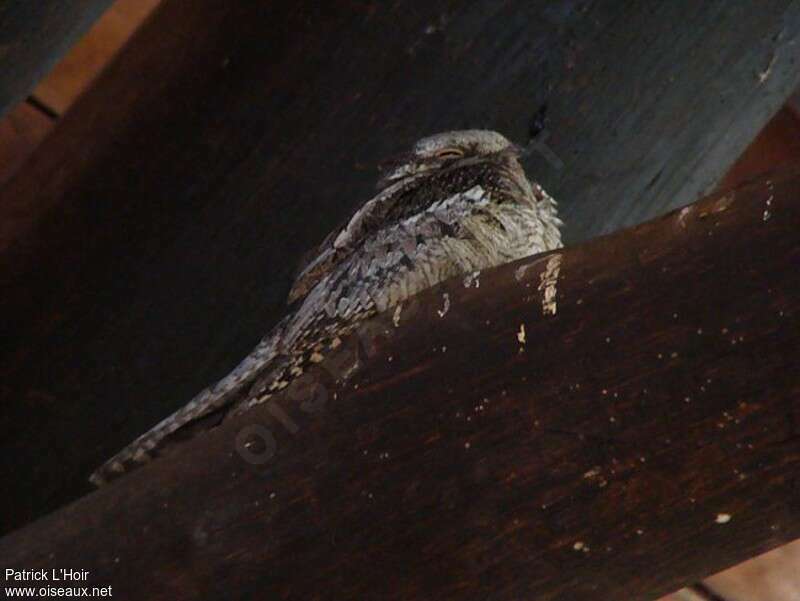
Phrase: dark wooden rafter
x=33 y=36
x=144 y=248
x=614 y=420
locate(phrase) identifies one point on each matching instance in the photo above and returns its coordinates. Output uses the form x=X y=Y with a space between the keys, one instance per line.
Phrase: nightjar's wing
x=375 y=214
x=414 y=194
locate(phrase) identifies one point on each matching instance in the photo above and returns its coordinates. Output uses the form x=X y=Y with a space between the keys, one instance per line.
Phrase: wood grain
x=643 y=436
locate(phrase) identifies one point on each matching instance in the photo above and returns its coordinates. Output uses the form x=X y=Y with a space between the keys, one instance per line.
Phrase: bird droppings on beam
x=445 y=305
x=547 y=285
x=472 y=279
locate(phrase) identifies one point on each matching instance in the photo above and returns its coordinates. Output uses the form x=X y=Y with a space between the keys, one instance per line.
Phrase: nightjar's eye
x=450 y=153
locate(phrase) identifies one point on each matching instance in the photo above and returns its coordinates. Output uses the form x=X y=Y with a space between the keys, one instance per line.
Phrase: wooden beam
x=21 y=131
x=24 y=126
x=146 y=248
x=33 y=36
x=777 y=145
x=794 y=102
x=89 y=56
x=614 y=420
x=768 y=577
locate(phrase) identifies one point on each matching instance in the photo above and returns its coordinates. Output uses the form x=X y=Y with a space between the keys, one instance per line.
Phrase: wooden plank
x=794 y=102
x=687 y=594
x=33 y=36
x=778 y=144
x=640 y=435
x=83 y=63
x=21 y=131
x=770 y=577
x=773 y=576
x=146 y=249
x=24 y=127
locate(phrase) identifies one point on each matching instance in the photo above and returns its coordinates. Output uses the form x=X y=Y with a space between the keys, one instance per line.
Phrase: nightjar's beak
x=394 y=168
x=519 y=151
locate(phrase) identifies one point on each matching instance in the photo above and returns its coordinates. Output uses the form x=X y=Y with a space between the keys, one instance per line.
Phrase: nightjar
x=457 y=203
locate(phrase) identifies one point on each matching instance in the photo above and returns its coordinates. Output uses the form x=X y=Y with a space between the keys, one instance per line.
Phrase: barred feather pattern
x=435 y=217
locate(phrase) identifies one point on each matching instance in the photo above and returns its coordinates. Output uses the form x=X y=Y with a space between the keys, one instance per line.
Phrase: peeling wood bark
x=150 y=243
x=642 y=434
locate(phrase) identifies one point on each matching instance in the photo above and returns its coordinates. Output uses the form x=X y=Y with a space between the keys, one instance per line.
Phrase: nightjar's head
x=447 y=150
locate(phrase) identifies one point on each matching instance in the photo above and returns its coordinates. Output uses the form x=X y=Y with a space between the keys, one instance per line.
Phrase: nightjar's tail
x=209 y=401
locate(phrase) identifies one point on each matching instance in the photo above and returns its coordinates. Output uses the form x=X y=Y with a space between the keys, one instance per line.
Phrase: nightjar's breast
x=432 y=229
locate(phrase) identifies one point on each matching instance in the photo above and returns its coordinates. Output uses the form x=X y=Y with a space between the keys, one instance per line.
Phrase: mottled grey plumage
x=459 y=202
